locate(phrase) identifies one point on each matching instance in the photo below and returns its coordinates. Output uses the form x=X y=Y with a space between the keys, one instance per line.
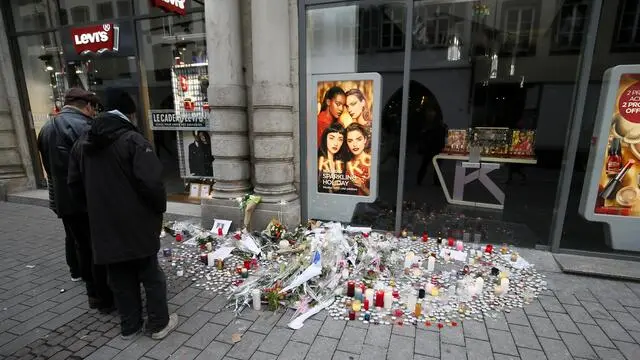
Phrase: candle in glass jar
x=351 y=285
x=411 y=301
x=431 y=263
x=396 y=294
x=368 y=295
x=498 y=290
x=451 y=241
x=418 y=309
x=425 y=237
x=358 y=293
x=388 y=299
x=434 y=291
x=380 y=298
x=352 y=315
x=479 y=285
x=488 y=249
x=356 y=305
x=459 y=245
x=504 y=282
x=244 y=273
x=366 y=304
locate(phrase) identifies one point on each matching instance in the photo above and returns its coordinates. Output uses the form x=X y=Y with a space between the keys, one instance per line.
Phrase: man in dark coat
x=55 y=141
x=115 y=171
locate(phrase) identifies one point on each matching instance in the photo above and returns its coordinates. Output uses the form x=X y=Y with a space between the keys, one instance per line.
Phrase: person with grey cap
x=55 y=140
x=115 y=171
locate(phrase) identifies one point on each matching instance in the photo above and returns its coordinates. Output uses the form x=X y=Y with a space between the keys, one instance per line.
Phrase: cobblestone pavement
x=580 y=318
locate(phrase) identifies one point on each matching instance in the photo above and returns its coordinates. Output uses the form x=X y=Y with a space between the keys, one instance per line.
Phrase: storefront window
x=164 y=43
x=44 y=78
x=343 y=44
x=150 y=7
x=489 y=107
x=616 y=44
x=31 y=15
x=78 y=13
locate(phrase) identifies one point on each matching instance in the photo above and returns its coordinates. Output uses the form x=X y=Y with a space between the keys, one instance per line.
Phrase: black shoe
x=94 y=303
x=106 y=310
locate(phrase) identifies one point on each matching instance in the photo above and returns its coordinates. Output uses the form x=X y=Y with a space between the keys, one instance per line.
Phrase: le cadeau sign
x=175 y=6
x=95 y=39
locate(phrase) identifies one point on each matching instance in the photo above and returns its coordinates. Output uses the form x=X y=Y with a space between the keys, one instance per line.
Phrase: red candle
x=247 y=264
x=178 y=237
x=351 y=288
x=380 y=298
x=352 y=315
x=488 y=249
x=425 y=237
x=366 y=304
x=219 y=231
x=395 y=294
x=451 y=241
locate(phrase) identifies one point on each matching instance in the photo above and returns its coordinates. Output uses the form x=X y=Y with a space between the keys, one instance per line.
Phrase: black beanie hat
x=116 y=99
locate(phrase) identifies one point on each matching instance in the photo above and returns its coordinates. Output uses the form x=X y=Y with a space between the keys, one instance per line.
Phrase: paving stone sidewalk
x=579 y=318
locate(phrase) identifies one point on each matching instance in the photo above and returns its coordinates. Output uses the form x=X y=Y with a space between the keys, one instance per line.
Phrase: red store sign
x=175 y=6
x=97 y=39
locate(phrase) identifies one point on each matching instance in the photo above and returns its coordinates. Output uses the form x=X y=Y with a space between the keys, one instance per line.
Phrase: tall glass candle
x=425 y=237
x=358 y=293
x=351 y=285
x=488 y=249
x=380 y=298
x=411 y=302
x=352 y=315
x=431 y=263
x=368 y=295
x=366 y=304
x=388 y=299
x=459 y=245
x=451 y=241
x=418 y=309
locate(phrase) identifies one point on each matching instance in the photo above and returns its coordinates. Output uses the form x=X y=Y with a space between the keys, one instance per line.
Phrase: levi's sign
x=97 y=39
x=175 y=6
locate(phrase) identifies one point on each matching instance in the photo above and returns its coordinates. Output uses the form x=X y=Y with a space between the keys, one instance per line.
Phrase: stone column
x=227 y=99
x=272 y=105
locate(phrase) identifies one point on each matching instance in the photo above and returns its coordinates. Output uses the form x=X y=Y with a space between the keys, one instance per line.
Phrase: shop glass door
x=490 y=99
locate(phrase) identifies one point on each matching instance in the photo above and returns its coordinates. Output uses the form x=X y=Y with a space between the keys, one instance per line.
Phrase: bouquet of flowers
x=275 y=230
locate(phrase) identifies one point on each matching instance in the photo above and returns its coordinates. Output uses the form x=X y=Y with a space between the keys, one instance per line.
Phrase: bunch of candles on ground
x=375 y=277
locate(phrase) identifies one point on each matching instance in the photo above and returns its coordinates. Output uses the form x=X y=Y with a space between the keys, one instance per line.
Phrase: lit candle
x=345 y=273
x=388 y=299
x=356 y=305
x=425 y=237
x=351 y=285
x=247 y=263
x=431 y=263
x=459 y=245
x=380 y=298
x=366 y=304
x=396 y=294
x=352 y=315
x=408 y=259
x=368 y=295
x=498 y=290
x=209 y=246
x=244 y=273
x=434 y=291
x=514 y=256
x=488 y=249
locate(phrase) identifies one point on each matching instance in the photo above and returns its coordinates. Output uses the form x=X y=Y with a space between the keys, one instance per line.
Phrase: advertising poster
x=196 y=155
x=618 y=189
x=344 y=123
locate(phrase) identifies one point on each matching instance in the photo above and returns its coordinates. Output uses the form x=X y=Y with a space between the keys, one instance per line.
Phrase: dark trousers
x=424 y=166
x=94 y=276
x=71 y=252
x=125 y=278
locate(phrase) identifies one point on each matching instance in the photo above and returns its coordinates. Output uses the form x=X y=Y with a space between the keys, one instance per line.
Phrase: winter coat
x=55 y=141
x=115 y=171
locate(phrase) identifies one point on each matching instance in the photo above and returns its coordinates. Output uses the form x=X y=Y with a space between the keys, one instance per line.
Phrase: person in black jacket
x=115 y=171
x=55 y=141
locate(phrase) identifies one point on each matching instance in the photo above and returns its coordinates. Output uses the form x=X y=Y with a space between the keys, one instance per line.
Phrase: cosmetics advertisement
x=344 y=133
x=618 y=189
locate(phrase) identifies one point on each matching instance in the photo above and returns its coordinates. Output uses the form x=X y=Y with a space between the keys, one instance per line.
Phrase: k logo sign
x=175 y=6
x=97 y=39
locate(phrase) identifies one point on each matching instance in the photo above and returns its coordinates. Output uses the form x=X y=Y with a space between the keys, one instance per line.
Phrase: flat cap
x=75 y=94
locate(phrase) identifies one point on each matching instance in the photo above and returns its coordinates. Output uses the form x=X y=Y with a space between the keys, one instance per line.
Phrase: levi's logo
x=175 y=6
x=98 y=39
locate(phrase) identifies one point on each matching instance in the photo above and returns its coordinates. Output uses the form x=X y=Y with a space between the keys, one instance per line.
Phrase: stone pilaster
x=272 y=101
x=228 y=100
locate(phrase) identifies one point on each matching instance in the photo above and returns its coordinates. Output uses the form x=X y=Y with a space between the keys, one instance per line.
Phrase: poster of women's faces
x=345 y=116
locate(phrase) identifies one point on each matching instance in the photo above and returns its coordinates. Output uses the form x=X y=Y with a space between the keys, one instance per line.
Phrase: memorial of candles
x=377 y=278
